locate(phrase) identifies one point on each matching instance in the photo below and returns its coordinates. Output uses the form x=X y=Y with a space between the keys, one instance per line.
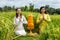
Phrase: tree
x=22 y=8
x=58 y=10
x=26 y=8
x=47 y=6
x=50 y=10
x=1 y=9
x=5 y=8
x=13 y=8
x=31 y=7
x=36 y=10
x=9 y=8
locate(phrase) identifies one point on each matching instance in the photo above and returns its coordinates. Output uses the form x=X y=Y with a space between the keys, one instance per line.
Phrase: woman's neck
x=42 y=13
x=19 y=15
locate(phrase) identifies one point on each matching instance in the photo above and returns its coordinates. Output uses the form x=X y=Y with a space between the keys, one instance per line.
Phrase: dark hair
x=17 y=13
x=41 y=8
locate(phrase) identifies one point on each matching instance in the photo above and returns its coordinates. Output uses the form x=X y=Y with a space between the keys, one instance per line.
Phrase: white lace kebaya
x=20 y=28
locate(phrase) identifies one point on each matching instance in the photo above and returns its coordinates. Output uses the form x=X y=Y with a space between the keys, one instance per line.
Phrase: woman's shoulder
x=47 y=15
x=23 y=16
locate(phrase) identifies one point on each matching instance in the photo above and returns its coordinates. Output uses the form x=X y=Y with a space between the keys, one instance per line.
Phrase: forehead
x=43 y=8
x=19 y=9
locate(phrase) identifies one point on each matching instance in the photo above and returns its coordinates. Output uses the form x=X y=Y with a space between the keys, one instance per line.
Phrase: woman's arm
x=15 y=23
x=48 y=18
x=24 y=20
x=39 y=19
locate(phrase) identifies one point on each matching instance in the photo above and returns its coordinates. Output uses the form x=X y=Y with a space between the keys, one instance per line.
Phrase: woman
x=43 y=19
x=19 y=20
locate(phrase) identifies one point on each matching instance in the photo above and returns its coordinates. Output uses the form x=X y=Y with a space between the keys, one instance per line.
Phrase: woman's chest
x=19 y=19
x=43 y=16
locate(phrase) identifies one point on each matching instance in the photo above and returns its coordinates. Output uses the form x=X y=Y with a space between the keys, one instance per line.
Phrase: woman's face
x=19 y=11
x=43 y=10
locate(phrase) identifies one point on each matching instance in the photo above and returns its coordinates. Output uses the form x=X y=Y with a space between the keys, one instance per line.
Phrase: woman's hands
x=44 y=17
x=20 y=17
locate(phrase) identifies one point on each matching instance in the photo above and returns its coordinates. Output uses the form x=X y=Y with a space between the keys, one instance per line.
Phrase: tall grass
x=50 y=32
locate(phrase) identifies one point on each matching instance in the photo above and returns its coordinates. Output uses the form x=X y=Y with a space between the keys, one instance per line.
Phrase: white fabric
x=20 y=29
x=20 y=32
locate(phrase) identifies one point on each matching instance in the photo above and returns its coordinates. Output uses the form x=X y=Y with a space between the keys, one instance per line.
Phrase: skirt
x=20 y=32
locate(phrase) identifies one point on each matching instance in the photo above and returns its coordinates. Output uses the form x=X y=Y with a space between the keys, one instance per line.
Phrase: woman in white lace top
x=19 y=20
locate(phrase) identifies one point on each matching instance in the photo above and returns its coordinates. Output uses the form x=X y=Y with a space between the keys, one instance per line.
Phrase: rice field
x=50 y=32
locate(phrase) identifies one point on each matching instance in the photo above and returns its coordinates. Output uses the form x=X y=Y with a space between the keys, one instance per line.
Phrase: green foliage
x=31 y=8
x=50 y=32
